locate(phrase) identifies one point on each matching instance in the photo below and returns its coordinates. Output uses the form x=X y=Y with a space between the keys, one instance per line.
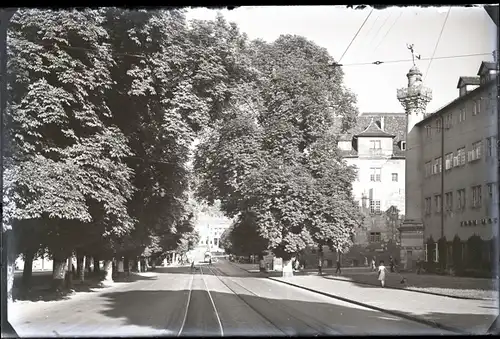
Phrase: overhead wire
x=387 y=33
x=437 y=43
x=383 y=24
x=354 y=38
x=409 y=60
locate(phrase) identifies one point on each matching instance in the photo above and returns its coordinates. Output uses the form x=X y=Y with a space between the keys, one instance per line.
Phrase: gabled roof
x=486 y=66
x=374 y=131
x=463 y=81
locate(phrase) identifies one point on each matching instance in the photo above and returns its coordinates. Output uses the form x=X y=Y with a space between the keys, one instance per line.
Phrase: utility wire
x=437 y=43
x=364 y=22
x=387 y=33
x=409 y=60
x=383 y=24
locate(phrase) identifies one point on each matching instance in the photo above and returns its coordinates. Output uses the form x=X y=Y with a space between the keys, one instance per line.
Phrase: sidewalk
x=456 y=287
x=468 y=316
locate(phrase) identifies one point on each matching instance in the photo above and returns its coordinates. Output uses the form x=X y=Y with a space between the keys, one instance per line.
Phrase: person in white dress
x=381 y=273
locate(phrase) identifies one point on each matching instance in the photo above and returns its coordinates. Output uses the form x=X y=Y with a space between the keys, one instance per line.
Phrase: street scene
x=254 y=171
x=224 y=299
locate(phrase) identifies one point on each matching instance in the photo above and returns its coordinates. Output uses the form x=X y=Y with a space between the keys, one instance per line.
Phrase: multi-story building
x=453 y=181
x=375 y=147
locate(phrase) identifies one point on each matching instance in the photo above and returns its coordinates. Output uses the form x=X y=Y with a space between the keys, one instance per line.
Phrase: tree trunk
x=97 y=269
x=87 y=263
x=27 y=270
x=288 y=268
x=80 y=269
x=126 y=265
x=120 y=267
x=139 y=265
x=59 y=269
x=69 y=273
x=8 y=266
x=108 y=268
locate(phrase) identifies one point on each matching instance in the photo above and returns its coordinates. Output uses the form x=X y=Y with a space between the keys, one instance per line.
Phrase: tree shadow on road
x=163 y=309
x=42 y=290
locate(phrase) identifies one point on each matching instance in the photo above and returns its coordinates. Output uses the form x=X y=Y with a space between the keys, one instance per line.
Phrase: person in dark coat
x=338 y=270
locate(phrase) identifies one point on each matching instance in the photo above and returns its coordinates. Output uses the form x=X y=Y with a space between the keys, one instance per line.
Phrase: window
x=394 y=177
x=448 y=200
x=403 y=145
x=426 y=253
x=439 y=125
x=462 y=115
x=476 y=108
x=448 y=162
x=436 y=252
x=375 y=174
x=375 y=206
x=427 y=205
x=375 y=144
x=428 y=131
x=490 y=189
x=437 y=203
x=428 y=169
x=461 y=156
x=216 y=242
x=476 y=148
x=437 y=166
x=488 y=147
x=449 y=121
x=375 y=237
x=461 y=199
x=476 y=196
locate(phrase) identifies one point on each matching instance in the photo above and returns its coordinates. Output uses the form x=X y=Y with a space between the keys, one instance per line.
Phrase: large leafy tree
x=276 y=157
x=65 y=156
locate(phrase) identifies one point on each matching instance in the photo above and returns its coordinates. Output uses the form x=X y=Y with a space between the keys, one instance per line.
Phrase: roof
x=393 y=124
x=373 y=130
x=457 y=101
x=462 y=81
x=486 y=65
x=492 y=11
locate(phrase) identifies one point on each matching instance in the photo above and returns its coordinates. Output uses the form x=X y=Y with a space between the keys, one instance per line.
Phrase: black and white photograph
x=250 y=171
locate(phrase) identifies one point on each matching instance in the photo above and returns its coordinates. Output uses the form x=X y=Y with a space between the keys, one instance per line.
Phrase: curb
x=409 y=290
x=395 y=313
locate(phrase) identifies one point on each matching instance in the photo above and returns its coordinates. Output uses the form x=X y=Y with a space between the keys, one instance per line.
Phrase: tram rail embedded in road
x=313 y=321
x=213 y=303
x=187 y=305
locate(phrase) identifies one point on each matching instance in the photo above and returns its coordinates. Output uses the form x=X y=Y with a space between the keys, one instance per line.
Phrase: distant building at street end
x=452 y=175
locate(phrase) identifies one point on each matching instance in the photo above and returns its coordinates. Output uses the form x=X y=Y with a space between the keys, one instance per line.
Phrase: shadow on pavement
x=41 y=289
x=161 y=309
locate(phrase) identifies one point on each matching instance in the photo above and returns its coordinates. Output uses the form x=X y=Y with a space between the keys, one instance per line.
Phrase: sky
x=384 y=37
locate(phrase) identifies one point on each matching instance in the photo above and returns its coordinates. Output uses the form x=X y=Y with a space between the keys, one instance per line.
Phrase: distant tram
x=208 y=257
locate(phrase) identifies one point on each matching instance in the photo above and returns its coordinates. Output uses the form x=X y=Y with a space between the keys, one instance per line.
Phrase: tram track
x=189 y=301
x=307 y=322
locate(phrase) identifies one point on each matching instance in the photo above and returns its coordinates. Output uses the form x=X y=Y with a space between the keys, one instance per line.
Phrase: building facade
x=375 y=148
x=455 y=154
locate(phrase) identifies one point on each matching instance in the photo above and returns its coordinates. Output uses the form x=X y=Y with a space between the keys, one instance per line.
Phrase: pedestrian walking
x=374 y=268
x=391 y=263
x=320 y=264
x=419 y=265
x=338 y=271
x=381 y=273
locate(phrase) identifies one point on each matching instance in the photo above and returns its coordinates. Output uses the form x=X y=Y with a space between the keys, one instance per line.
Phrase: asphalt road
x=220 y=300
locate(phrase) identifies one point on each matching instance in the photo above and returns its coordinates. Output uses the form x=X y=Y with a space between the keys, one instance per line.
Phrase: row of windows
x=476 y=200
x=214 y=241
x=477 y=105
x=376 y=175
x=451 y=160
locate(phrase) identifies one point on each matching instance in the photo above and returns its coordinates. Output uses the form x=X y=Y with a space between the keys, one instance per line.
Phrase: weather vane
x=413 y=54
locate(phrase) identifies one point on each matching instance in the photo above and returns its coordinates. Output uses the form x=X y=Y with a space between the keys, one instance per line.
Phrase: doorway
x=409 y=259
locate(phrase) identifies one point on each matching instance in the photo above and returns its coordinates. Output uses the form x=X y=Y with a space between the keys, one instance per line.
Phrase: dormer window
x=375 y=144
x=468 y=84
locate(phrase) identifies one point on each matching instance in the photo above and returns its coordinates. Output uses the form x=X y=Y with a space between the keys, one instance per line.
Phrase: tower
x=414 y=99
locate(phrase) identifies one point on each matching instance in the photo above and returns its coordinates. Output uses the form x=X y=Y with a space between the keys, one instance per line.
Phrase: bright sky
x=383 y=38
